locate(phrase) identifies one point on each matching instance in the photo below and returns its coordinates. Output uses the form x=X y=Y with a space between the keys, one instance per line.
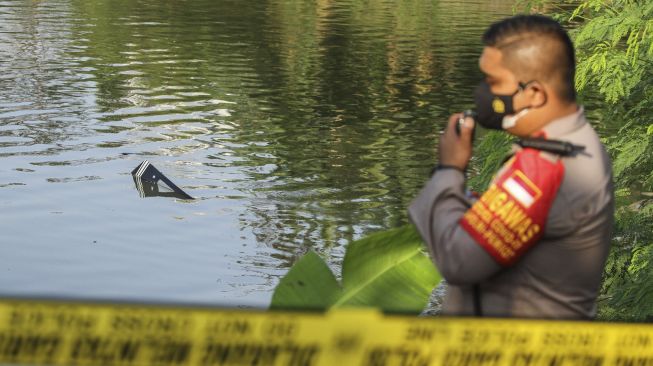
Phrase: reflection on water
x=295 y=124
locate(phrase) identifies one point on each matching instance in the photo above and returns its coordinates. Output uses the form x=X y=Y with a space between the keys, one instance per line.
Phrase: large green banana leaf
x=387 y=270
x=309 y=285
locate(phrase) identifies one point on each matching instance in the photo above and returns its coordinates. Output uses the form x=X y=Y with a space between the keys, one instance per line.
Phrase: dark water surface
x=295 y=124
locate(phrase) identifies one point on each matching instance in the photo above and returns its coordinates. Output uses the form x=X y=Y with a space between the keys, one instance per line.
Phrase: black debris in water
x=150 y=182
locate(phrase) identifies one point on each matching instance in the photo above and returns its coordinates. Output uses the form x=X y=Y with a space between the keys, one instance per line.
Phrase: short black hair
x=555 y=60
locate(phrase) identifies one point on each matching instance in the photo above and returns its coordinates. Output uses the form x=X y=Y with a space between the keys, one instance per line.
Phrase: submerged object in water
x=150 y=182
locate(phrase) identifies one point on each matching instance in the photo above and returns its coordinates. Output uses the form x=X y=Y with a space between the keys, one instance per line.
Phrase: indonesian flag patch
x=522 y=189
x=510 y=216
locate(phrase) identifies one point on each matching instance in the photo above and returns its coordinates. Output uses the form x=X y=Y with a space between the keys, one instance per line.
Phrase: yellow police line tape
x=67 y=333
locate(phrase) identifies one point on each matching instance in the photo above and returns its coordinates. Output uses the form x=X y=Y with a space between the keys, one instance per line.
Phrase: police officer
x=535 y=243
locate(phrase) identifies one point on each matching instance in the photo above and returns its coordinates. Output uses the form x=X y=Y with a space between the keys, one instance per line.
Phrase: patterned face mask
x=495 y=111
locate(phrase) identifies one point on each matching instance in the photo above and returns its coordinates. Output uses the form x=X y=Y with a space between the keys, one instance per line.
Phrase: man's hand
x=456 y=150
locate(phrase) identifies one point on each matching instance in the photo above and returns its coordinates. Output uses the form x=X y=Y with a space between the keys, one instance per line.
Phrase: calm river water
x=295 y=124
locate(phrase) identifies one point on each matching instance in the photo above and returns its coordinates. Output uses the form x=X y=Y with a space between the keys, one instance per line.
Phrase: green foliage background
x=614 y=45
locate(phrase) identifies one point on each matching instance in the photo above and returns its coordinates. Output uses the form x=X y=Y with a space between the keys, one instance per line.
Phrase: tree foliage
x=614 y=45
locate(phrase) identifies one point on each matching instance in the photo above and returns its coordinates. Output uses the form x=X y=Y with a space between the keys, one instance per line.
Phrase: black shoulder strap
x=562 y=148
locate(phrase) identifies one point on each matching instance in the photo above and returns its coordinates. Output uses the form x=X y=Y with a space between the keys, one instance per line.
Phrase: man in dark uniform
x=535 y=243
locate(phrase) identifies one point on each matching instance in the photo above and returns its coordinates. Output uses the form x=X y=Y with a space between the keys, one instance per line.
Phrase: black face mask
x=492 y=108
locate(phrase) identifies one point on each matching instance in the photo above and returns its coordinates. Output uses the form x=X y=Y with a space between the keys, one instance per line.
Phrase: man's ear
x=536 y=93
